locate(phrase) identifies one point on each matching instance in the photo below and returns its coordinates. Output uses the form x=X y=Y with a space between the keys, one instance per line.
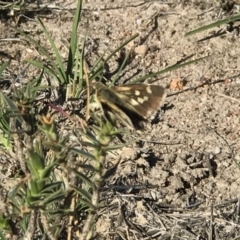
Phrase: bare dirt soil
x=182 y=180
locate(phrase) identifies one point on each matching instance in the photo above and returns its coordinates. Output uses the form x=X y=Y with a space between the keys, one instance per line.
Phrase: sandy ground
x=181 y=181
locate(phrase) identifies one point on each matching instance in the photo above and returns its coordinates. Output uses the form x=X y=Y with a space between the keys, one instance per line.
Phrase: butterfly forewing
x=142 y=98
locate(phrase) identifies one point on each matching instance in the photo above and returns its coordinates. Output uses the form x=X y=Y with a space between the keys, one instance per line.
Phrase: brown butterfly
x=132 y=104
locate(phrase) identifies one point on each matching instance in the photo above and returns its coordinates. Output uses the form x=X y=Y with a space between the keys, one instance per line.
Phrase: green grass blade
x=97 y=74
x=74 y=38
x=214 y=24
x=79 y=63
x=82 y=153
x=2 y=236
x=120 y=69
x=121 y=46
x=43 y=51
x=3 y=67
x=35 y=43
x=168 y=69
x=60 y=67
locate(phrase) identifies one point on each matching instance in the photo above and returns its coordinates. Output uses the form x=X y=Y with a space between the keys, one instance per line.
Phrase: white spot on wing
x=134 y=102
x=142 y=100
x=137 y=93
x=149 y=90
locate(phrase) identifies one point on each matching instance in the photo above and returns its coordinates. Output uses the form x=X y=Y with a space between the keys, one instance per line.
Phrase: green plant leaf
x=214 y=24
x=168 y=69
x=3 y=67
